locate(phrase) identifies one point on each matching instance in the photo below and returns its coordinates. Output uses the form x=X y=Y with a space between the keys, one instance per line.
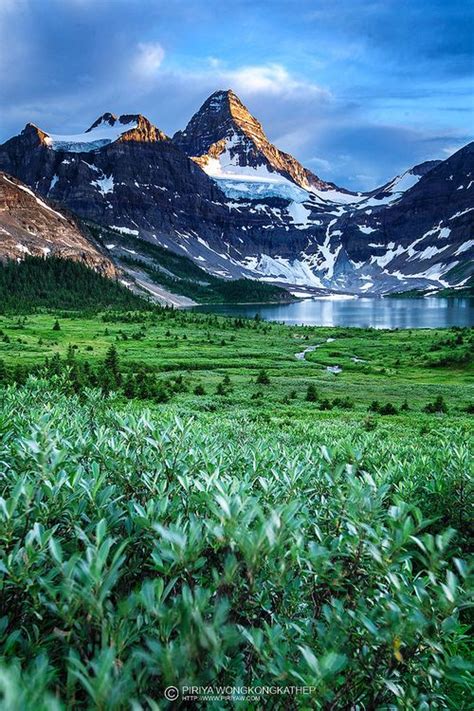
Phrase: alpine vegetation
x=142 y=550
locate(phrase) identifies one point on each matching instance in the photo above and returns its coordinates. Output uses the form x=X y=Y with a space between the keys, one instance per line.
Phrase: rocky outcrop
x=143 y=129
x=31 y=226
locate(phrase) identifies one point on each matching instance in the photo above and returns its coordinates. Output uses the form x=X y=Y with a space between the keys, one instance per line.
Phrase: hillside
x=32 y=226
x=147 y=263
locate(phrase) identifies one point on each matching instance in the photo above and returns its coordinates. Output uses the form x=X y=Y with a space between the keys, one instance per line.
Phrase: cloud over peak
x=148 y=59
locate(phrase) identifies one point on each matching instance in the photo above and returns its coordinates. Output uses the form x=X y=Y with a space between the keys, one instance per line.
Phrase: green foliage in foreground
x=37 y=283
x=140 y=551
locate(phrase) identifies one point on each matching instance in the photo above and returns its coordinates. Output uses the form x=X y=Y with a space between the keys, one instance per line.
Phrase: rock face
x=224 y=138
x=221 y=193
x=31 y=226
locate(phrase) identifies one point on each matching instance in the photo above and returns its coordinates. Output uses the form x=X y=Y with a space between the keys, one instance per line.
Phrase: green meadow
x=397 y=367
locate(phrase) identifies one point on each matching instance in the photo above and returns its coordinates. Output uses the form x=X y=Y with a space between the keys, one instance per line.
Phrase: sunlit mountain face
x=222 y=194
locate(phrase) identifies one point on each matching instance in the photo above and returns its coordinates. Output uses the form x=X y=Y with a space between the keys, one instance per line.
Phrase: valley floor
x=201 y=350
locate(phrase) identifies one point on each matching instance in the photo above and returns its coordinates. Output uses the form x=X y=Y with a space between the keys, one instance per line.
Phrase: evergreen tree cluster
x=60 y=283
x=75 y=375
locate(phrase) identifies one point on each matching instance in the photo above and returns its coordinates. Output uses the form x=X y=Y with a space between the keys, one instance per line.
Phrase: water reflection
x=429 y=312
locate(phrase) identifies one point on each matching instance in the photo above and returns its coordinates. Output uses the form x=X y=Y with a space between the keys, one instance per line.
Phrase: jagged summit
x=107 y=129
x=229 y=143
x=106 y=119
x=220 y=116
x=32 y=135
x=130 y=127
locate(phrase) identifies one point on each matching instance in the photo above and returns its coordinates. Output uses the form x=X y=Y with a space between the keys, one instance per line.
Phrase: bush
x=343 y=403
x=140 y=551
x=388 y=409
x=437 y=406
x=311 y=393
x=325 y=404
x=369 y=423
x=262 y=378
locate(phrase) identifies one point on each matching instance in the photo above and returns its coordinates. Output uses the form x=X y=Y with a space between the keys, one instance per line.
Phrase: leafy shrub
x=438 y=405
x=388 y=409
x=262 y=378
x=140 y=552
x=344 y=403
x=325 y=404
x=370 y=423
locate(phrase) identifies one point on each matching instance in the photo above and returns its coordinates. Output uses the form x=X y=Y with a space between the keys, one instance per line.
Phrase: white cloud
x=320 y=163
x=149 y=58
x=273 y=79
x=449 y=150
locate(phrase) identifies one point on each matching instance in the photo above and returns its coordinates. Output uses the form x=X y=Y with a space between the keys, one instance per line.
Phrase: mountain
x=425 y=233
x=221 y=194
x=31 y=226
x=231 y=146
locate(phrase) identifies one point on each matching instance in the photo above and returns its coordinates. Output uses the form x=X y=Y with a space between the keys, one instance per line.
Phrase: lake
x=428 y=312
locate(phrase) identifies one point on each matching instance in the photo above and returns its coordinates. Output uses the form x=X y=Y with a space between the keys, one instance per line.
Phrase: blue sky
x=357 y=91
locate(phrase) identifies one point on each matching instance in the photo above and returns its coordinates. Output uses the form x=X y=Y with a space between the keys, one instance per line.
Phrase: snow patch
x=124 y=230
x=105 y=185
x=299 y=214
x=464 y=247
x=88 y=141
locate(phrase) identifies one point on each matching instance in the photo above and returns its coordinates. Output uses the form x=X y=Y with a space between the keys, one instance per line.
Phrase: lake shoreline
x=358 y=312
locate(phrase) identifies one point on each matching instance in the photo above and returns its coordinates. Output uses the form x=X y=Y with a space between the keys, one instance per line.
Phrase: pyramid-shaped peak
x=223 y=130
x=223 y=95
x=223 y=101
x=221 y=115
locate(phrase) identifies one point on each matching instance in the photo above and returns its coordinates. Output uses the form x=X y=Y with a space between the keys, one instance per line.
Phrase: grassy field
x=389 y=366
x=250 y=519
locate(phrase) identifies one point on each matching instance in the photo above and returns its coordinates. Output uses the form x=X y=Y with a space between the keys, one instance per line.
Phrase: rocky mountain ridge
x=224 y=138
x=220 y=193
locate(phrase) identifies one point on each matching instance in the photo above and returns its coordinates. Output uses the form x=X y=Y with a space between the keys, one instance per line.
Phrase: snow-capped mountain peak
x=231 y=146
x=243 y=208
x=106 y=119
x=107 y=129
